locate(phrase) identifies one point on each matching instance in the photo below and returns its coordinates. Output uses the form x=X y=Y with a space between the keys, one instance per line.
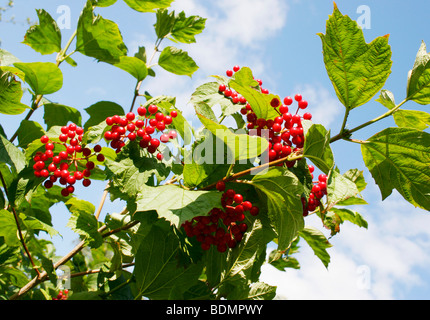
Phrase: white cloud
x=384 y=261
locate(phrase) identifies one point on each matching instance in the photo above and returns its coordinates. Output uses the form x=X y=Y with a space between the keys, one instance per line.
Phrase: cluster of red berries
x=62 y=295
x=223 y=228
x=285 y=131
x=319 y=189
x=136 y=128
x=64 y=166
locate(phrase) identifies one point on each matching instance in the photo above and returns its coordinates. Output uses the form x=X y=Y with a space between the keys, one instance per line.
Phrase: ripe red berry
x=303 y=104
x=220 y=186
x=141 y=111
x=229 y=73
x=173 y=114
x=288 y=101
x=298 y=97
x=236 y=68
x=222 y=87
x=152 y=109
x=307 y=116
x=238 y=198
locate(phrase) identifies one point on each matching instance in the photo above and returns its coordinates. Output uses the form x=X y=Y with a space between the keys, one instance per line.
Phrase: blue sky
x=278 y=40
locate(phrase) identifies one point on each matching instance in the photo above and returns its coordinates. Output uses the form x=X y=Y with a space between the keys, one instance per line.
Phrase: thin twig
x=21 y=237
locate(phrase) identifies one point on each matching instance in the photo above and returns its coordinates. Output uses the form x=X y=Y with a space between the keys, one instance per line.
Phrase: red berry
x=288 y=101
x=303 y=104
x=298 y=97
x=275 y=102
x=159 y=156
x=100 y=158
x=220 y=186
x=307 y=116
x=141 y=111
x=174 y=114
x=238 y=198
x=229 y=73
x=44 y=139
x=236 y=68
x=152 y=109
x=254 y=211
x=86 y=182
x=108 y=135
x=130 y=116
x=222 y=87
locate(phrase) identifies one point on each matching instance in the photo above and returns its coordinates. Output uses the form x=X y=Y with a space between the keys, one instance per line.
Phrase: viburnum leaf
x=59 y=115
x=42 y=77
x=134 y=66
x=356 y=69
x=181 y=205
x=186 y=28
x=8 y=228
x=418 y=87
x=317 y=147
x=29 y=131
x=11 y=155
x=99 y=111
x=207 y=96
x=340 y=188
x=282 y=191
x=318 y=242
x=83 y=222
x=157 y=270
x=177 y=62
x=98 y=37
x=416 y=119
x=243 y=82
x=399 y=158
x=241 y=145
x=44 y=37
x=148 y=5
x=103 y=3
x=337 y=216
x=10 y=94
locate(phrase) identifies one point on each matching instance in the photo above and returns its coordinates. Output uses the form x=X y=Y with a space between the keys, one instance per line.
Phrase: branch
x=291 y=157
x=21 y=237
x=44 y=276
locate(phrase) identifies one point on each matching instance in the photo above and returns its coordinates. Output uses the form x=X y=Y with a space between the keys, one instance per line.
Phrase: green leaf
x=99 y=111
x=60 y=115
x=44 y=37
x=282 y=191
x=134 y=66
x=164 y=23
x=386 y=98
x=339 y=188
x=318 y=242
x=8 y=228
x=186 y=28
x=415 y=119
x=29 y=131
x=181 y=205
x=207 y=96
x=398 y=158
x=356 y=69
x=243 y=82
x=75 y=205
x=349 y=215
x=7 y=58
x=83 y=222
x=11 y=155
x=32 y=223
x=317 y=147
x=177 y=61
x=10 y=94
x=418 y=86
x=157 y=270
x=103 y=3
x=132 y=169
x=42 y=77
x=148 y=5
x=241 y=145
x=98 y=37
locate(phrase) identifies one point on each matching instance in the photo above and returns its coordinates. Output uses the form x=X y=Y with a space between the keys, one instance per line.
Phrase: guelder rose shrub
x=202 y=204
